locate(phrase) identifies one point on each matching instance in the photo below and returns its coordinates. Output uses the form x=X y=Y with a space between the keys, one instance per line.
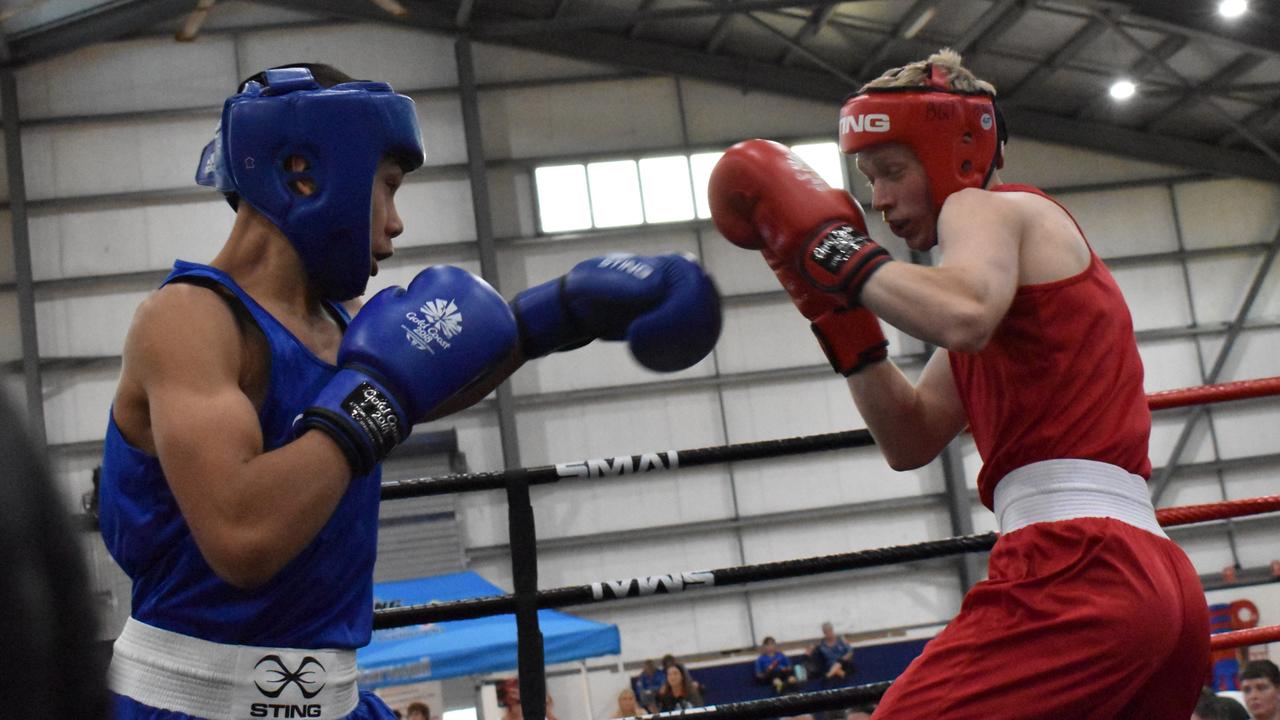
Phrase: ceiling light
x=1232 y=8
x=1123 y=89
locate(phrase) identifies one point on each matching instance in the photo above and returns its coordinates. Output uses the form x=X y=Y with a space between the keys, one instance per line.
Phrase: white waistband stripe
x=171 y=671
x=1055 y=490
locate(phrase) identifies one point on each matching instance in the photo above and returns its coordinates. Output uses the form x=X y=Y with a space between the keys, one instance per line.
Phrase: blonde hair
x=946 y=65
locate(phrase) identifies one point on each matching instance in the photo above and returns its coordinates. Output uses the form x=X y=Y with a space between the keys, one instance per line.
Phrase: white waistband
x=1054 y=490
x=204 y=679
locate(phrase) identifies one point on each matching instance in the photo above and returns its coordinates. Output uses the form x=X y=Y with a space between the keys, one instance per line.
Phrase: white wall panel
x=498 y=63
x=764 y=411
x=737 y=271
x=1215 y=213
x=1252 y=481
x=512 y=203
x=443 y=135
x=839 y=535
x=909 y=595
x=1208 y=553
x=586 y=507
x=435 y=211
x=1257 y=545
x=1253 y=355
x=762 y=336
x=1219 y=285
x=1188 y=488
x=619 y=116
x=113 y=157
x=583 y=507
x=719 y=115
x=1156 y=295
x=1166 y=427
x=1169 y=364
x=1125 y=222
x=1248 y=428
x=618 y=426
x=106 y=240
x=85 y=324
x=683 y=626
x=1050 y=165
x=129 y=76
x=408 y=59
x=76 y=402
x=824 y=479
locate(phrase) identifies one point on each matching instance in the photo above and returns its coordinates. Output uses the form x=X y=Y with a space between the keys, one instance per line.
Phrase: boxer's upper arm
x=979 y=234
x=185 y=347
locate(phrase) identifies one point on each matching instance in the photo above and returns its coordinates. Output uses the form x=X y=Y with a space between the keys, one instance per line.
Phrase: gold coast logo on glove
x=840 y=244
x=440 y=320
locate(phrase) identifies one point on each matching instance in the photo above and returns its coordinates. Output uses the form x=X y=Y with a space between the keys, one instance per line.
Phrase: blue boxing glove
x=665 y=307
x=407 y=351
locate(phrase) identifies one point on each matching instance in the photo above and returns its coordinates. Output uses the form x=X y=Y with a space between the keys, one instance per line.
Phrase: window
x=615 y=193
x=668 y=195
x=563 y=203
x=624 y=192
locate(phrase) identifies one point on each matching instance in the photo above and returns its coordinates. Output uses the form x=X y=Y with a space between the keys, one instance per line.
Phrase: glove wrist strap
x=851 y=338
x=361 y=415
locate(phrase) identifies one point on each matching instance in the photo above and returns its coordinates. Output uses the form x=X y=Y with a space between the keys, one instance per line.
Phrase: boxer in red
x=1090 y=611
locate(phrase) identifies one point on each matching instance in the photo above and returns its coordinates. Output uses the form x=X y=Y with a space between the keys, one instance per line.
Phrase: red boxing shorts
x=1088 y=618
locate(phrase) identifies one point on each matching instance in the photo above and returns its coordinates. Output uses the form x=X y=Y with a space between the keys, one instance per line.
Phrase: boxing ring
x=527 y=598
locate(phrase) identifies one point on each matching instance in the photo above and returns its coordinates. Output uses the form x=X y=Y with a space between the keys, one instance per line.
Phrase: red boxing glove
x=850 y=336
x=762 y=195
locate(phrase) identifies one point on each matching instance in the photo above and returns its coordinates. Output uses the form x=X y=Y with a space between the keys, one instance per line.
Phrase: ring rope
x=1241 y=638
x=665 y=460
x=1189 y=514
x=741 y=574
x=784 y=706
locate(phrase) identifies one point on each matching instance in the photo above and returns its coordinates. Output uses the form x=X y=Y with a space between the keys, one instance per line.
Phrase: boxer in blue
x=241 y=477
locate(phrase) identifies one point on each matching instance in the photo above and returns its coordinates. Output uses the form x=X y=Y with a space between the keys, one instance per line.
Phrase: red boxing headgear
x=956 y=135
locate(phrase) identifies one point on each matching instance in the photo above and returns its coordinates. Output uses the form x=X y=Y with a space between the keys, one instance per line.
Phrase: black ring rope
x=682 y=581
x=659 y=461
x=785 y=706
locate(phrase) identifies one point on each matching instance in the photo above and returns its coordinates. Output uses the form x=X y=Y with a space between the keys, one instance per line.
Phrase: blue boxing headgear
x=274 y=142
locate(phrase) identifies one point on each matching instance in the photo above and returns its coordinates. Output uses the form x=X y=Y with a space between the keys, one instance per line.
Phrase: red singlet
x=1060 y=378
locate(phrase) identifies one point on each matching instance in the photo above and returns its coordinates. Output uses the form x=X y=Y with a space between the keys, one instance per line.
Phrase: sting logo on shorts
x=272 y=676
x=834 y=250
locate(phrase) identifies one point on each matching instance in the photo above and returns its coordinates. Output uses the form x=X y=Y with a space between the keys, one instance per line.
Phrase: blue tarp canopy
x=467 y=647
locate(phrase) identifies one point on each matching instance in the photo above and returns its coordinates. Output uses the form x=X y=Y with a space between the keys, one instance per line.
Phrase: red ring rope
x=1240 y=638
x=1222 y=392
x=1187 y=514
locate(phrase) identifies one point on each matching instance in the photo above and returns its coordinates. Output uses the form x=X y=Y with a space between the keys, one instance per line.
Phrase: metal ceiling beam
x=499 y=29
x=1257 y=33
x=1242 y=64
x=93 y=25
x=1145 y=65
x=644 y=5
x=718 y=35
x=909 y=19
x=818 y=18
x=1207 y=101
x=991 y=25
x=1092 y=30
x=813 y=57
